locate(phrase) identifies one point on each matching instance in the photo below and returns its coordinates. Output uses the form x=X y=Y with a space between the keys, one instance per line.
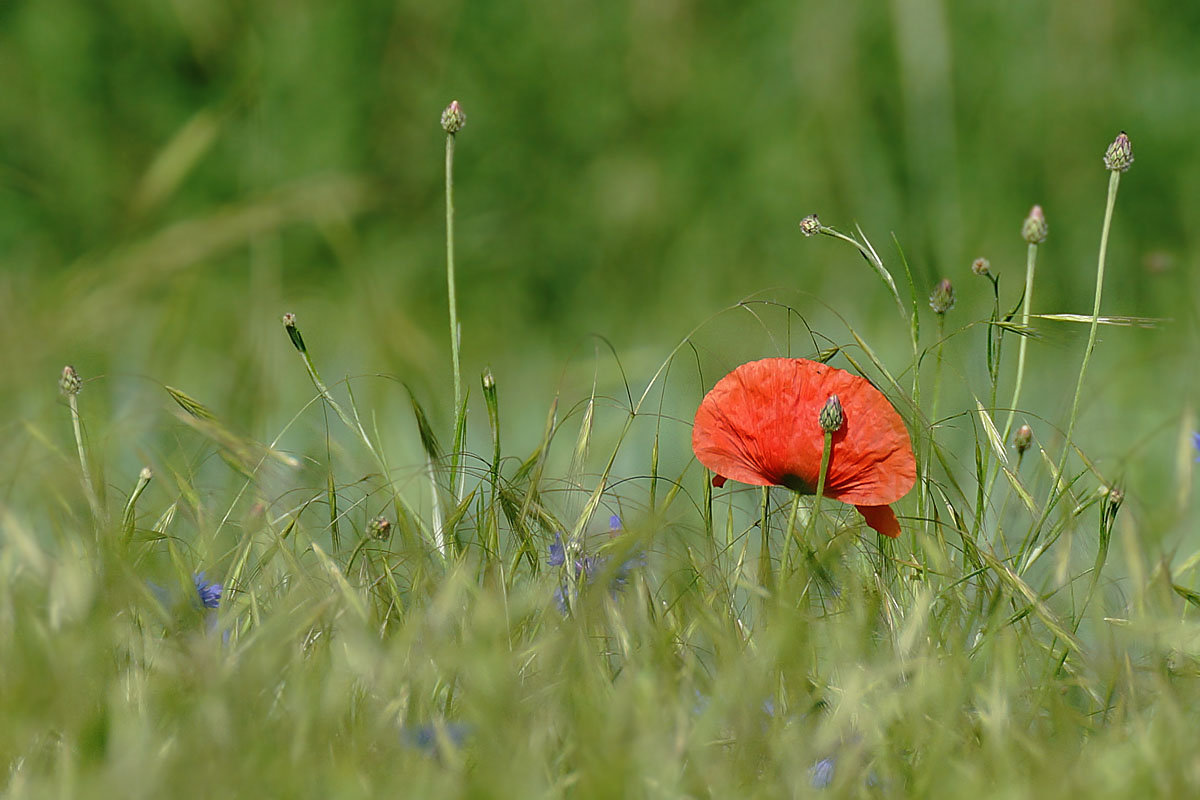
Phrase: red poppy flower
x=759 y=425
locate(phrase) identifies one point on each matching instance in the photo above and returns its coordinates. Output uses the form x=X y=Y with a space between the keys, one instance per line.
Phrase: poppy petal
x=718 y=481
x=882 y=519
x=760 y=425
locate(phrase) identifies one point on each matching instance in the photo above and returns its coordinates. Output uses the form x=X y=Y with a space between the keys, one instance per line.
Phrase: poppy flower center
x=798 y=484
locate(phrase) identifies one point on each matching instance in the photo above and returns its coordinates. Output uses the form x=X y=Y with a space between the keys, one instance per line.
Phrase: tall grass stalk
x=1059 y=482
x=453 y=120
x=70 y=384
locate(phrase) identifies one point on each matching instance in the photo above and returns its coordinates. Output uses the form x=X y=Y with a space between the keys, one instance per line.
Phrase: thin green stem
x=459 y=411
x=89 y=488
x=128 y=518
x=826 y=452
x=764 y=558
x=874 y=260
x=937 y=372
x=1026 y=303
x=790 y=534
x=1114 y=181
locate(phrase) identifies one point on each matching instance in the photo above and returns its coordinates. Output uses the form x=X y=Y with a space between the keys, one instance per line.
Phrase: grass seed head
x=289 y=322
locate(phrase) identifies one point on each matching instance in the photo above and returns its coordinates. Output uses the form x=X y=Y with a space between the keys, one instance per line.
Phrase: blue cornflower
x=587 y=567
x=209 y=593
x=822 y=773
x=1196 y=443
x=426 y=737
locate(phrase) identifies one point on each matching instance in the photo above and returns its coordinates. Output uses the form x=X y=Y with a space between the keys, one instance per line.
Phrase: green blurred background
x=175 y=175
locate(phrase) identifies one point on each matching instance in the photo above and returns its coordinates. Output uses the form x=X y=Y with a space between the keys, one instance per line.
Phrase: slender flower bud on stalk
x=981 y=266
x=127 y=520
x=453 y=118
x=810 y=225
x=832 y=417
x=1035 y=229
x=1119 y=156
x=289 y=322
x=1022 y=439
x=70 y=384
x=942 y=299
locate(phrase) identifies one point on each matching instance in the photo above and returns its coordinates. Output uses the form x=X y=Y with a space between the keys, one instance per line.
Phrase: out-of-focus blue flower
x=426 y=737
x=1196 y=443
x=822 y=773
x=558 y=553
x=209 y=593
x=587 y=567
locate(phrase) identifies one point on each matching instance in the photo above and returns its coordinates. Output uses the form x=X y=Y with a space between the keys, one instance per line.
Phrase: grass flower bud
x=1119 y=156
x=379 y=528
x=69 y=383
x=453 y=118
x=832 y=417
x=810 y=225
x=1022 y=439
x=942 y=298
x=1035 y=229
x=1115 y=498
x=289 y=322
x=981 y=266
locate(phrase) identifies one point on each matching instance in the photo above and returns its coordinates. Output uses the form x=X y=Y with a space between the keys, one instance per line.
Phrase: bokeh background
x=175 y=175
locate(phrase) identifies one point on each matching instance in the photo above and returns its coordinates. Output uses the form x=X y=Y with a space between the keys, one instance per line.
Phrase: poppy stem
x=791 y=530
x=764 y=556
x=826 y=451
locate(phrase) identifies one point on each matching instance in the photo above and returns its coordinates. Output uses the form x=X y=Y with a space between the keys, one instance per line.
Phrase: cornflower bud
x=289 y=322
x=832 y=417
x=1035 y=229
x=1022 y=439
x=69 y=383
x=810 y=225
x=942 y=298
x=379 y=528
x=453 y=118
x=981 y=266
x=1119 y=156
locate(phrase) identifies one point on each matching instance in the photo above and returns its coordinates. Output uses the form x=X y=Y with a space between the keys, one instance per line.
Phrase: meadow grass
x=584 y=614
